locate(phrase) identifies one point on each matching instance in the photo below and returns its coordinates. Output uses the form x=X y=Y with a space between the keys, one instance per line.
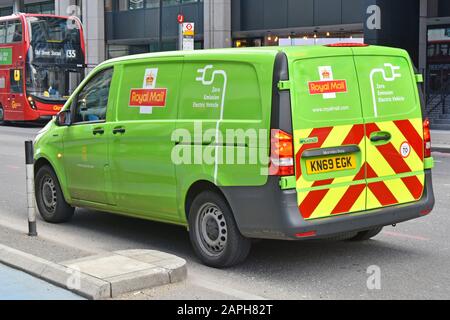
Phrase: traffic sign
x=180 y=18
x=188 y=29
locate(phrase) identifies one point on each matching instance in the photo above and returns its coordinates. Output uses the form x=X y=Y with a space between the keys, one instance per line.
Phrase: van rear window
x=388 y=89
x=326 y=89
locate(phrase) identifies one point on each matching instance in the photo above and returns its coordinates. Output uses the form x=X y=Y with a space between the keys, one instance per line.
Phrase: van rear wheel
x=367 y=235
x=214 y=234
x=49 y=197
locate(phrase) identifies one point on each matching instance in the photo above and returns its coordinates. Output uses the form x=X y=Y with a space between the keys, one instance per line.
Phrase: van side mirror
x=64 y=118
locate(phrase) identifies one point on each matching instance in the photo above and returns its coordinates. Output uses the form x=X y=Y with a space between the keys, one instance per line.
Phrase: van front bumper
x=268 y=212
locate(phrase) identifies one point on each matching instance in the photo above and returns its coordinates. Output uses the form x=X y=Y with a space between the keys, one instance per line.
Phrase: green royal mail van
x=238 y=144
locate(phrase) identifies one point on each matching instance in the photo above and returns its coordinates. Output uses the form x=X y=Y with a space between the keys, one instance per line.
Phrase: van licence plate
x=331 y=164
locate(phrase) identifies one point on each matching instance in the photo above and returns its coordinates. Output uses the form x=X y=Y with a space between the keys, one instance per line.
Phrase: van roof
x=292 y=52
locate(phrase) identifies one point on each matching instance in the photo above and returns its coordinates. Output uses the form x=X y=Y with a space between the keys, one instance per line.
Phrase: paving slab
x=132 y=270
x=102 y=276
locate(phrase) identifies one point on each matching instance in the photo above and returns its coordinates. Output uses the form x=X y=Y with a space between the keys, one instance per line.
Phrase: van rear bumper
x=270 y=213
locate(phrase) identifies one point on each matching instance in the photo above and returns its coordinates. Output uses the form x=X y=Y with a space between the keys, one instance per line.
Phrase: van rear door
x=328 y=134
x=394 y=126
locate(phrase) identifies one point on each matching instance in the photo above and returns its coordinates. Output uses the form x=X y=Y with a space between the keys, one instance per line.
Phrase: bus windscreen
x=55 y=40
x=52 y=83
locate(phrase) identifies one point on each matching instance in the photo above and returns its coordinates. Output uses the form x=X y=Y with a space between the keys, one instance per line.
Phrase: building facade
x=120 y=27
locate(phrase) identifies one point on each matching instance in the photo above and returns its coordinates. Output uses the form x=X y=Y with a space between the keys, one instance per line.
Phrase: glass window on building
x=6 y=11
x=115 y=51
x=2 y=32
x=14 y=31
x=109 y=5
x=126 y=5
x=152 y=3
x=47 y=7
x=177 y=2
x=135 y=4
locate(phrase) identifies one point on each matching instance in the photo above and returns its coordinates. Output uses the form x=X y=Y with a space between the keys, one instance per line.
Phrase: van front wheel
x=49 y=197
x=214 y=234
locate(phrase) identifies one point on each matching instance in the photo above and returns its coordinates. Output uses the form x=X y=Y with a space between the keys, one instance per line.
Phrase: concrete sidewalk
x=440 y=141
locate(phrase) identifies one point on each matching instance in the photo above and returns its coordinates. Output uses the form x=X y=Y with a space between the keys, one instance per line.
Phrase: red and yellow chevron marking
x=387 y=163
x=318 y=203
x=380 y=164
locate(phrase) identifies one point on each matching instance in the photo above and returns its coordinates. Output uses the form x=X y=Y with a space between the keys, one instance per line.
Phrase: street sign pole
x=31 y=200
x=180 y=36
x=180 y=20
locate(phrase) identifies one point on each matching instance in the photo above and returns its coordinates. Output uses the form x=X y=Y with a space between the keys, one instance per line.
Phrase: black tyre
x=367 y=235
x=342 y=237
x=49 y=197
x=2 y=116
x=214 y=234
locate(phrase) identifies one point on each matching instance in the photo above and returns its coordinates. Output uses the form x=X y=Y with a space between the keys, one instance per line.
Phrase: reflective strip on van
x=317 y=200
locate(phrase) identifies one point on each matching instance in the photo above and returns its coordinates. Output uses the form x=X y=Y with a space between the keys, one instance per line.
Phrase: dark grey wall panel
x=395 y=32
x=169 y=21
x=300 y=13
x=144 y=23
x=132 y=24
x=327 y=12
x=275 y=14
x=444 y=8
x=192 y=12
x=351 y=11
x=252 y=13
x=235 y=15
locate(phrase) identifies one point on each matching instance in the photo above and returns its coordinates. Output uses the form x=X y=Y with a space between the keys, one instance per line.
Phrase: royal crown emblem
x=150 y=79
x=326 y=74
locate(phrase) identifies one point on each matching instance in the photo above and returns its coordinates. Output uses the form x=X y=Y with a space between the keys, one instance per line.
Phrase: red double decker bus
x=42 y=60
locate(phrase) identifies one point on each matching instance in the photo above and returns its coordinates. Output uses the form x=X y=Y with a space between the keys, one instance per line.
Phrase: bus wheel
x=49 y=197
x=367 y=235
x=214 y=234
x=2 y=116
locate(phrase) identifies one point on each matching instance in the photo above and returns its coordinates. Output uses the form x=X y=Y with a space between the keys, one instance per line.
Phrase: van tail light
x=427 y=138
x=281 y=153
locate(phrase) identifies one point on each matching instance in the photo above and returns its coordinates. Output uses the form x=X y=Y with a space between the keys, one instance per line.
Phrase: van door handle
x=380 y=136
x=98 y=131
x=119 y=130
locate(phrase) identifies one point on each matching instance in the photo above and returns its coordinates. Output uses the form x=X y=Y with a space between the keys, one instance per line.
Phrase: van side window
x=92 y=101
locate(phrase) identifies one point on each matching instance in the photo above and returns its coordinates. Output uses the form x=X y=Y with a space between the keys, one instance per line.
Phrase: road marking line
x=403 y=235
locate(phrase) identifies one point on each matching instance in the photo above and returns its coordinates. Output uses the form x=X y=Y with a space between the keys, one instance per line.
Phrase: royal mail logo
x=148 y=97
x=327 y=86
